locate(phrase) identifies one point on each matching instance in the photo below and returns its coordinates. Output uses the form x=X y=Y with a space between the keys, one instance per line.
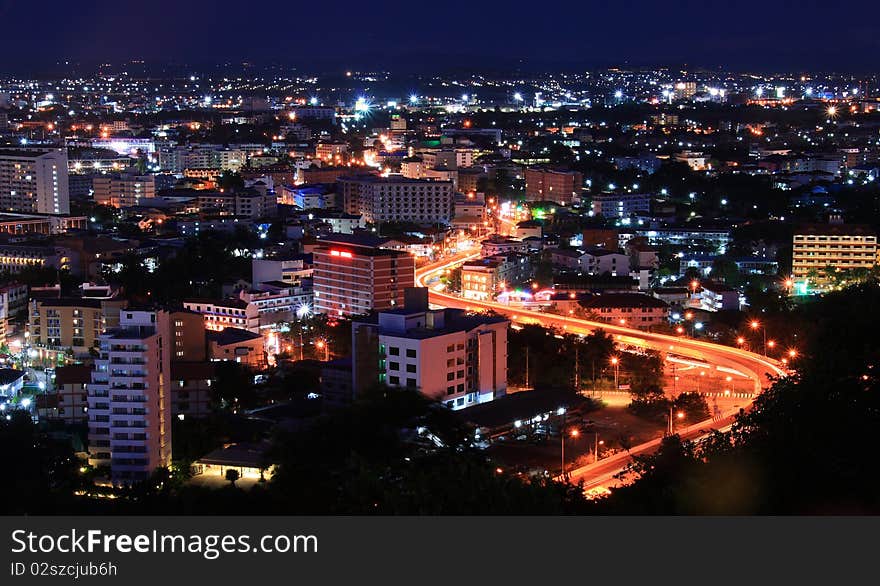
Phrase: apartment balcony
x=127 y=361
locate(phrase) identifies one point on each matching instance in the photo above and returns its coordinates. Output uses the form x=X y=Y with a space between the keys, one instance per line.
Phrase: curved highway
x=760 y=369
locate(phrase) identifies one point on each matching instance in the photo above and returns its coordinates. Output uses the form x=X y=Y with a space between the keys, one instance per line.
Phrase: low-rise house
x=236 y=344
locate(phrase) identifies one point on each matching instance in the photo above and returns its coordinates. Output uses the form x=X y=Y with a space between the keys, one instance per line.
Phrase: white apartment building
x=397 y=199
x=34 y=181
x=447 y=355
x=220 y=314
x=129 y=399
x=275 y=297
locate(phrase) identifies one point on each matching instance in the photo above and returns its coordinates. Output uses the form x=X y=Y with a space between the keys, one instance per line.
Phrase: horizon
x=709 y=35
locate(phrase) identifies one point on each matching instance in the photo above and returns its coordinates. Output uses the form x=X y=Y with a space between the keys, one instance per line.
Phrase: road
x=758 y=369
x=603 y=472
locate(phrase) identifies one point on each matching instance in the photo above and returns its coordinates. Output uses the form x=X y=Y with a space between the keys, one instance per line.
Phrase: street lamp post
x=671 y=428
x=598 y=443
x=321 y=344
x=755 y=325
x=615 y=361
x=574 y=433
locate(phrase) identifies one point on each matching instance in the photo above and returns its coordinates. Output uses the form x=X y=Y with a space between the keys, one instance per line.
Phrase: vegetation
x=803 y=447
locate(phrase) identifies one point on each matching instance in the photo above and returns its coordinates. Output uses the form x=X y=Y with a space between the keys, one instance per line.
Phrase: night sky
x=444 y=35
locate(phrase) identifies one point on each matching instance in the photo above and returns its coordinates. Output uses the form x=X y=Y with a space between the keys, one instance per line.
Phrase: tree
x=693 y=405
x=596 y=351
x=230 y=181
x=232 y=475
x=233 y=387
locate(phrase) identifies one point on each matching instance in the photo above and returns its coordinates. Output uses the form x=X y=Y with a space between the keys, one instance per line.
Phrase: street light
x=755 y=325
x=574 y=433
x=615 y=361
x=679 y=415
x=598 y=443
x=321 y=344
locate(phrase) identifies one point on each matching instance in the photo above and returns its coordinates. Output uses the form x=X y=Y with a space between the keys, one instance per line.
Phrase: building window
x=450 y=390
x=411 y=368
x=411 y=382
x=394 y=351
x=394 y=380
x=410 y=353
x=393 y=366
x=450 y=376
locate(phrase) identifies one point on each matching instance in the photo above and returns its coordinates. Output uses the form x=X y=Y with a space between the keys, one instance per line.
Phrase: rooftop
x=231 y=336
x=624 y=300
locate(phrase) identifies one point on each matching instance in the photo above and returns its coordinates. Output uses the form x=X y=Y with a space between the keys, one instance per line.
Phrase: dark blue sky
x=390 y=34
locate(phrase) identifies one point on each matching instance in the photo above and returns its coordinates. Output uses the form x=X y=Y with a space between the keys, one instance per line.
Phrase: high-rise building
x=446 y=354
x=353 y=277
x=122 y=190
x=563 y=187
x=397 y=199
x=129 y=399
x=820 y=248
x=34 y=181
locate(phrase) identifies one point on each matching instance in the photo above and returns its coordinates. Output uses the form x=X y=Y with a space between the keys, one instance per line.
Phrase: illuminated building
x=479 y=279
x=445 y=354
x=15 y=257
x=247 y=204
x=324 y=174
x=397 y=199
x=718 y=297
x=277 y=300
x=122 y=190
x=413 y=168
x=34 y=181
x=290 y=269
x=353 y=279
x=632 y=310
x=36 y=224
x=696 y=161
x=58 y=325
x=483 y=279
x=129 y=399
x=818 y=248
x=235 y=344
x=69 y=401
x=124 y=145
x=331 y=151
x=562 y=187
x=220 y=314
x=621 y=205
